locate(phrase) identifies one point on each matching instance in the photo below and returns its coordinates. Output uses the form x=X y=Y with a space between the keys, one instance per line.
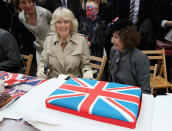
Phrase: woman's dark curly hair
x=129 y=36
x=16 y=5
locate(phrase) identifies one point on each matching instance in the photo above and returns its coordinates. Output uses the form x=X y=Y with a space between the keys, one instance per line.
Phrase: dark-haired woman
x=37 y=20
x=128 y=64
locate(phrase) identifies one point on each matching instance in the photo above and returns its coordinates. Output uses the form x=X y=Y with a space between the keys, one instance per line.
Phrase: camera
x=47 y=68
x=38 y=46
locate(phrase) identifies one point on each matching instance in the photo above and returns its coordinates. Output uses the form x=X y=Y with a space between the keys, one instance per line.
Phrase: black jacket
x=23 y=36
x=4 y=15
x=97 y=35
x=121 y=8
x=9 y=53
x=161 y=11
x=73 y=5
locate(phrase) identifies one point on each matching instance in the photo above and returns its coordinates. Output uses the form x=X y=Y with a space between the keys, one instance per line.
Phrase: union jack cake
x=98 y=100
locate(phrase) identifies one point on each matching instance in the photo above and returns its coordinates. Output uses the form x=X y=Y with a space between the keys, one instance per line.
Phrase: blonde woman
x=65 y=51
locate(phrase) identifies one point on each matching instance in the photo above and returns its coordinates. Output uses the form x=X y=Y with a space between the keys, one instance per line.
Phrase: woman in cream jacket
x=65 y=51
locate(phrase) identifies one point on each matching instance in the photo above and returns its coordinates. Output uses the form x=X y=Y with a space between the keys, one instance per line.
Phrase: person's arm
x=11 y=53
x=15 y=23
x=166 y=23
x=157 y=13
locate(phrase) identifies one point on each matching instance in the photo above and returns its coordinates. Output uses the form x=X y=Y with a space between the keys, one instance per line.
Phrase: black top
x=9 y=53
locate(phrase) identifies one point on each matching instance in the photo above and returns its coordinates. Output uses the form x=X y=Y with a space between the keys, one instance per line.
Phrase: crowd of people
x=62 y=34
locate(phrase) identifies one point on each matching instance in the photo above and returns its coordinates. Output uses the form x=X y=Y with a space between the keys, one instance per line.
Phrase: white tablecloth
x=9 y=112
x=15 y=125
x=162 y=113
x=32 y=108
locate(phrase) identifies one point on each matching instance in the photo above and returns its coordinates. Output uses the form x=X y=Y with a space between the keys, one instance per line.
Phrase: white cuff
x=89 y=74
x=163 y=23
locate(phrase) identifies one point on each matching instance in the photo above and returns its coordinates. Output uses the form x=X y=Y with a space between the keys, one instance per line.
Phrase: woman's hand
x=41 y=74
x=89 y=74
x=89 y=43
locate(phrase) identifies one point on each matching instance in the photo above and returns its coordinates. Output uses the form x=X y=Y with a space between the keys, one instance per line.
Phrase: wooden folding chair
x=158 y=70
x=27 y=61
x=99 y=65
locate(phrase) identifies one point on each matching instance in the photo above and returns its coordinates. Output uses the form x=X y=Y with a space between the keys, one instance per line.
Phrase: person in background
x=128 y=64
x=94 y=28
x=65 y=51
x=138 y=12
x=37 y=20
x=4 y=15
x=24 y=39
x=105 y=9
x=9 y=53
x=73 y=5
x=162 y=21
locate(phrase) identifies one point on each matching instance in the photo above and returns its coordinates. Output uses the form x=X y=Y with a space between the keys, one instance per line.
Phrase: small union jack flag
x=3 y=74
x=14 y=79
x=100 y=100
x=34 y=81
x=11 y=79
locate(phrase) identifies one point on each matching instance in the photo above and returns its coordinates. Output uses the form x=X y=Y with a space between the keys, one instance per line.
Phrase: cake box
x=107 y=102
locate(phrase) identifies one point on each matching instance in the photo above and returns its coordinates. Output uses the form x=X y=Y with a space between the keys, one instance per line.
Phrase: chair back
x=157 y=57
x=99 y=64
x=158 y=79
x=27 y=61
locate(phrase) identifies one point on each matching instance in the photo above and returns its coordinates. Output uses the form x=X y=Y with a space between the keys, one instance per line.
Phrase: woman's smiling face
x=116 y=41
x=63 y=28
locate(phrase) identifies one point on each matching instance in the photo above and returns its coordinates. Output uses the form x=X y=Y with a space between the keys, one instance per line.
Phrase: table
x=155 y=114
x=17 y=125
x=32 y=108
x=18 y=90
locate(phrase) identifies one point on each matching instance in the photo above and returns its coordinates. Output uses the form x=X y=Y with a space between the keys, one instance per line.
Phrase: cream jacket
x=73 y=60
x=42 y=28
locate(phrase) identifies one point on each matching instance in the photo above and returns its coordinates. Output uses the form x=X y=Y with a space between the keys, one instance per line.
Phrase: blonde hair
x=66 y=14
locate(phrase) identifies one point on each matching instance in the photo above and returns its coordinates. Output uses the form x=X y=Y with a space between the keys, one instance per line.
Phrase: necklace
x=31 y=19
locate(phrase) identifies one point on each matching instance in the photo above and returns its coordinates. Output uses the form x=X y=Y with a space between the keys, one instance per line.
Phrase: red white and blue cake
x=98 y=100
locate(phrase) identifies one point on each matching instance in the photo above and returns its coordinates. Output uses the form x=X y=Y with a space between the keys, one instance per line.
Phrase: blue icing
x=115 y=85
x=71 y=81
x=61 y=91
x=69 y=102
x=91 y=82
x=131 y=106
x=136 y=92
x=101 y=108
